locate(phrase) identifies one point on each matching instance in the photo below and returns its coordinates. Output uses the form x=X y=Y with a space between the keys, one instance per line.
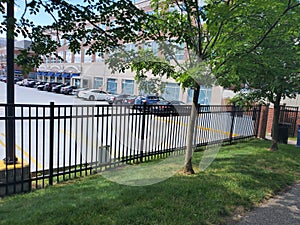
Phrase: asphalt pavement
x=283 y=209
x=280 y=210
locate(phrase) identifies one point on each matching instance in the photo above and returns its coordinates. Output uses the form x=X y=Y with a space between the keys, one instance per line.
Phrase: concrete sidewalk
x=280 y=210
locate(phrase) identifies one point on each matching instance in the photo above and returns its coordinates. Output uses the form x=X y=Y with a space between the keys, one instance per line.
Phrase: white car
x=20 y=83
x=94 y=95
x=80 y=92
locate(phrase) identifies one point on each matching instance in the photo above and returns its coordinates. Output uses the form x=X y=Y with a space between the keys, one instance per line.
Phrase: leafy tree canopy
x=258 y=47
x=257 y=50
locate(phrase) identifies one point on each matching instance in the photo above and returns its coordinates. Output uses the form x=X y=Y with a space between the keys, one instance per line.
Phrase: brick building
x=19 y=45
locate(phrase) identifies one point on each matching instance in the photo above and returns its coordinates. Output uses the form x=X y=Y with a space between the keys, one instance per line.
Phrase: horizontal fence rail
x=54 y=143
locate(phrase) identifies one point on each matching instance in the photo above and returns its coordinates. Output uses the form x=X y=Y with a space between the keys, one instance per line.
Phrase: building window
x=87 y=58
x=98 y=82
x=151 y=45
x=61 y=55
x=130 y=47
x=171 y=91
x=77 y=57
x=99 y=57
x=53 y=59
x=127 y=87
x=112 y=85
x=204 y=95
x=155 y=48
x=76 y=82
x=68 y=57
x=179 y=52
x=85 y=83
x=61 y=41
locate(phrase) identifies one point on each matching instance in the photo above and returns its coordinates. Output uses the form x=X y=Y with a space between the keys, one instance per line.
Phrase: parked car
x=48 y=86
x=40 y=85
x=96 y=95
x=165 y=107
x=57 y=88
x=68 y=90
x=147 y=99
x=28 y=82
x=117 y=99
x=2 y=78
x=129 y=101
x=80 y=92
x=31 y=84
x=17 y=79
x=20 y=83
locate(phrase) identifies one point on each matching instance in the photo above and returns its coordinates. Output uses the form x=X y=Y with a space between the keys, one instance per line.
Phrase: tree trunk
x=275 y=130
x=188 y=167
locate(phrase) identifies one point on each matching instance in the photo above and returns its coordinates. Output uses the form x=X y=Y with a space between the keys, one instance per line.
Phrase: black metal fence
x=54 y=143
x=288 y=116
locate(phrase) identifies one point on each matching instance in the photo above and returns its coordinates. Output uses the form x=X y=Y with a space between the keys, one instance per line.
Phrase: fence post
x=257 y=121
x=233 y=112
x=51 y=144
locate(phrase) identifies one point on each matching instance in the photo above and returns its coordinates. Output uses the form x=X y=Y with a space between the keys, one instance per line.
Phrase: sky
x=41 y=18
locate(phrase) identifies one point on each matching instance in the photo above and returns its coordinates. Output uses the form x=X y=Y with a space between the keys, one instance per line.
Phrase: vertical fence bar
x=93 y=145
x=43 y=135
x=75 y=135
x=51 y=144
x=70 y=138
x=30 y=120
x=143 y=131
x=233 y=112
x=36 y=121
x=64 y=141
x=58 y=144
x=22 y=146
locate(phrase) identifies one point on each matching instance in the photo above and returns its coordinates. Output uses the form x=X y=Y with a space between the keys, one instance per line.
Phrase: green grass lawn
x=242 y=176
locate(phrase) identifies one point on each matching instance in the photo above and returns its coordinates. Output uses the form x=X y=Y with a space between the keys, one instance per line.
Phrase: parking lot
x=26 y=95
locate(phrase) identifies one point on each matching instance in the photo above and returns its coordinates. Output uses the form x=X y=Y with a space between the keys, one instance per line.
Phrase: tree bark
x=275 y=130
x=188 y=167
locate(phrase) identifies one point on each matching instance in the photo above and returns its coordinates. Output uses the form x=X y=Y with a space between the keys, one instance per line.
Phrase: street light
x=10 y=111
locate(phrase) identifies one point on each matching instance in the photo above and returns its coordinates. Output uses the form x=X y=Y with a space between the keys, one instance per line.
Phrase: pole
x=10 y=121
